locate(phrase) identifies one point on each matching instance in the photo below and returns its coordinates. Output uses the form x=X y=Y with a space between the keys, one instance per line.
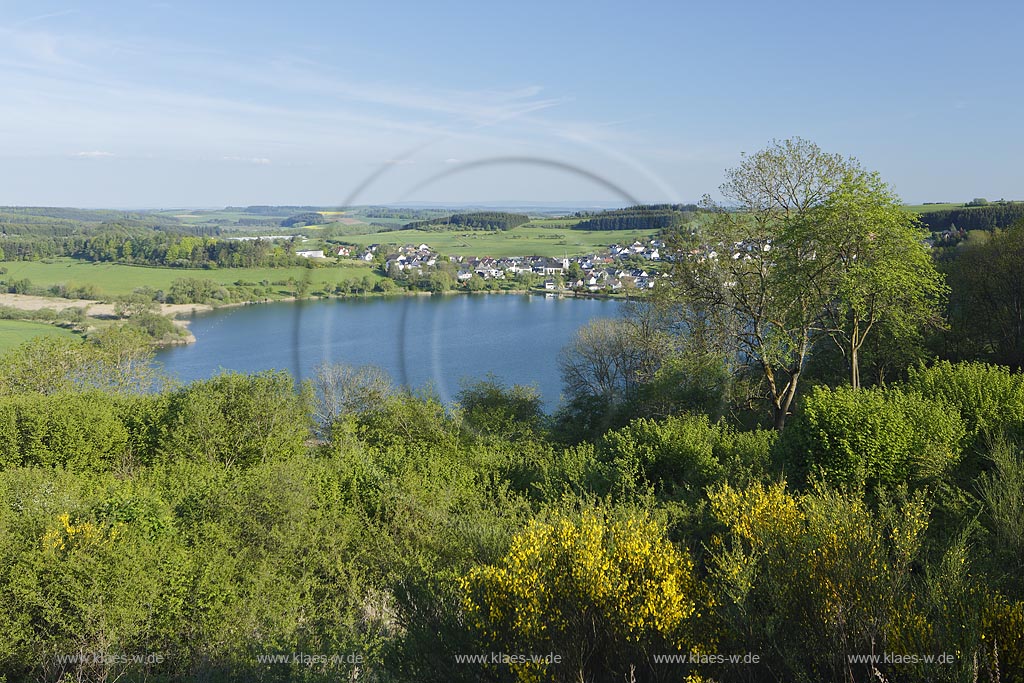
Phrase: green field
x=14 y=332
x=113 y=279
x=526 y=240
x=927 y=208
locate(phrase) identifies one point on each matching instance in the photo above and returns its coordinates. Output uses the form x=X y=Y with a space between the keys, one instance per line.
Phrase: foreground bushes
x=204 y=524
x=232 y=419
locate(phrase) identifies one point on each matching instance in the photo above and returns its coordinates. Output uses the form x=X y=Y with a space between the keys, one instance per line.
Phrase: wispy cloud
x=95 y=154
x=43 y=17
x=258 y=161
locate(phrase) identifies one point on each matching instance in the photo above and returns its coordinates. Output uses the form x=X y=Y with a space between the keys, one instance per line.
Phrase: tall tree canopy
x=812 y=246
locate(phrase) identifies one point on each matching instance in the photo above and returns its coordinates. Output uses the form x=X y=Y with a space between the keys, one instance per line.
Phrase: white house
x=311 y=253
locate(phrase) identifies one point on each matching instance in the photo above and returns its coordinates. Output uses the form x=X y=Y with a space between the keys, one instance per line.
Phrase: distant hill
x=479 y=220
x=644 y=217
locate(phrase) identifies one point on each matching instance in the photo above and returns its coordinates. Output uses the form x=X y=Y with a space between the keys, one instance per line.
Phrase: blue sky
x=182 y=103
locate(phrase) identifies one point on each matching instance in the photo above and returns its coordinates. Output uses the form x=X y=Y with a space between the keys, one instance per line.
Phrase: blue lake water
x=436 y=340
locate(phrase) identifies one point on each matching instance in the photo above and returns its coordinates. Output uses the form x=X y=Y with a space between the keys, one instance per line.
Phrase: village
x=618 y=268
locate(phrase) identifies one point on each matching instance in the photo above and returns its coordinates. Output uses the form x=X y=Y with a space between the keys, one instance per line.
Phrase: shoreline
x=183 y=314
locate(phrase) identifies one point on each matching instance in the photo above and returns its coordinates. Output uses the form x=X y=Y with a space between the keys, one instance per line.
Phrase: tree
x=575 y=272
x=867 y=257
x=609 y=359
x=341 y=389
x=440 y=281
x=725 y=284
x=987 y=298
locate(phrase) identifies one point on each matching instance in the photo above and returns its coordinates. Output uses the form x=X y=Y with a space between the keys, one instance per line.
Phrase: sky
x=206 y=104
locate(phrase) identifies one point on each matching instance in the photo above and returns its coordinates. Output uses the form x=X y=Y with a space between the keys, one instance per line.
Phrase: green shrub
x=990 y=398
x=73 y=430
x=871 y=436
x=237 y=419
x=681 y=455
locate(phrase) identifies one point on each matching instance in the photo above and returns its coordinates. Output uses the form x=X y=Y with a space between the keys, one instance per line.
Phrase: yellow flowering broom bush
x=603 y=593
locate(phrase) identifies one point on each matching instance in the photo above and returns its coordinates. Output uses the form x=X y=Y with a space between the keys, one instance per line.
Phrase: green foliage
x=237 y=419
x=872 y=437
x=491 y=409
x=1001 y=491
x=681 y=456
x=653 y=217
x=307 y=218
x=480 y=220
x=77 y=431
x=987 y=294
x=694 y=383
x=990 y=398
x=988 y=216
x=863 y=247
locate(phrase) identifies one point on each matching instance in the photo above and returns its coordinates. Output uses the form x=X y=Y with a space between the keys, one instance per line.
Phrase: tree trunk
x=855 y=343
x=780 y=418
x=782 y=403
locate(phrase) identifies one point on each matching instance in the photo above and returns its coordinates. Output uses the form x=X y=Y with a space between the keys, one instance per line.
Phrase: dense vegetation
x=647 y=217
x=478 y=220
x=987 y=216
x=664 y=521
x=305 y=218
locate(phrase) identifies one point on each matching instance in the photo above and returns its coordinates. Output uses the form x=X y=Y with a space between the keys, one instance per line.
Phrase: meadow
x=113 y=279
x=15 y=332
x=538 y=238
x=928 y=208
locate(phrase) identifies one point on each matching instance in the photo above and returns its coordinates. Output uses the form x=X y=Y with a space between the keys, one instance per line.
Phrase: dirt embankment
x=95 y=309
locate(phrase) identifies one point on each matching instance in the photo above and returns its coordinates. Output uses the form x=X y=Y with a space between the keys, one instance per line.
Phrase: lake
x=418 y=340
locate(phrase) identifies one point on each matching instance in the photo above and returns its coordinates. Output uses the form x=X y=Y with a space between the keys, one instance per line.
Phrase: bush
x=237 y=419
x=72 y=430
x=990 y=398
x=489 y=408
x=809 y=580
x=871 y=436
x=682 y=455
x=602 y=592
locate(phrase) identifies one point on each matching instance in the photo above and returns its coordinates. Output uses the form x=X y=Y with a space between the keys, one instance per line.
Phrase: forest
x=477 y=220
x=642 y=217
x=988 y=216
x=142 y=246
x=798 y=459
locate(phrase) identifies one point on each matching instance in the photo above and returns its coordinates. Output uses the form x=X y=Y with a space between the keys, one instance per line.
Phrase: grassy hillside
x=539 y=238
x=114 y=279
x=14 y=332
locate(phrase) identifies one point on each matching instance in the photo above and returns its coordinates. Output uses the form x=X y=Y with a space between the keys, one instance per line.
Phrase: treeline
x=263 y=210
x=647 y=217
x=32 y=237
x=121 y=244
x=37 y=213
x=982 y=217
x=479 y=220
x=182 y=252
x=402 y=213
x=305 y=218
